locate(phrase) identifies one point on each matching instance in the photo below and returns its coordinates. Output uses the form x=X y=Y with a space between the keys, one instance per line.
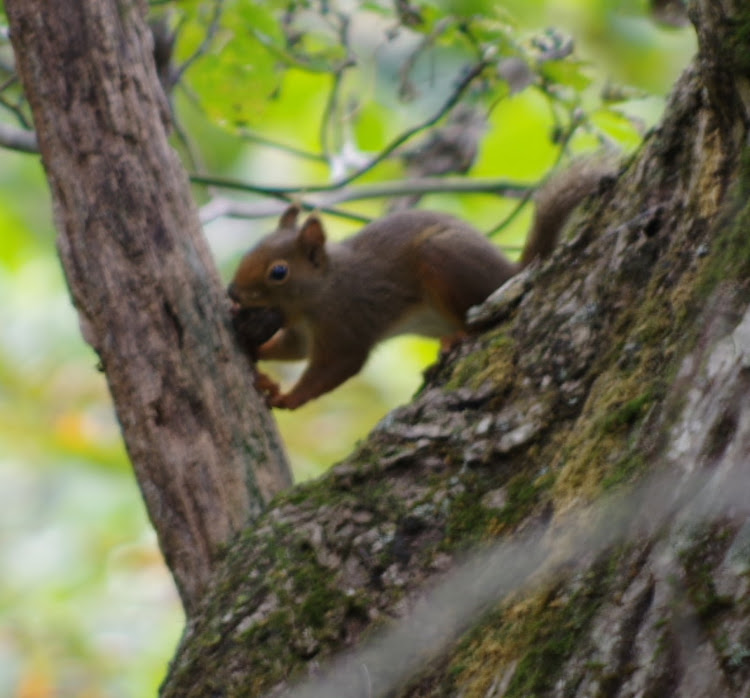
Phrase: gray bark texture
x=205 y=450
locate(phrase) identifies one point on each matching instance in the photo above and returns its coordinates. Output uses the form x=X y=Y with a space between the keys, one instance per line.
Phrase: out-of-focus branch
x=18 y=139
x=213 y=28
x=285 y=192
x=427 y=185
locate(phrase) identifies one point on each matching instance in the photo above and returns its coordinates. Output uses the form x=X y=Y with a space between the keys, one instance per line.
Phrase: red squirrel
x=412 y=271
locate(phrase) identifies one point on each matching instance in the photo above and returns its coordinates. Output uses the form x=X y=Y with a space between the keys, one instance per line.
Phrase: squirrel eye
x=278 y=271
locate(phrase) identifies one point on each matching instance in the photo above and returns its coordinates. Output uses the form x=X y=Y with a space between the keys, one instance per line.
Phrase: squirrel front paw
x=267 y=386
x=288 y=401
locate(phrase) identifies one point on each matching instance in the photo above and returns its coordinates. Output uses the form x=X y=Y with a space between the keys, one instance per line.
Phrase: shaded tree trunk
x=205 y=450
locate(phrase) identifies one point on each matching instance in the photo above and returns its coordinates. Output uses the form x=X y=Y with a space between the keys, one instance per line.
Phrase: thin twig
x=10 y=80
x=282 y=192
x=290 y=58
x=451 y=102
x=191 y=154
x=221 y=207
x=332 y=103
x=17 y=111
x=330 y=109
x=512 y=215
x=18 y=139
x=283 y=147
x=202 y=49
x=427 y=41
x=425 y=185
x=564 y=141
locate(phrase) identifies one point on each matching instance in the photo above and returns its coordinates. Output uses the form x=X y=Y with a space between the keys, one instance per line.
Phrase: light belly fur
x=422 y=320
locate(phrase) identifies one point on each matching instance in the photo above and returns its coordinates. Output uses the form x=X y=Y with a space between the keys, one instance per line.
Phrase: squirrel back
x=446 y=264
x=410 y=271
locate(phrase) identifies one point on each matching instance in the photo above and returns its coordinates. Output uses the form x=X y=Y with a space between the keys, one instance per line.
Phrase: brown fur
x=411 y=271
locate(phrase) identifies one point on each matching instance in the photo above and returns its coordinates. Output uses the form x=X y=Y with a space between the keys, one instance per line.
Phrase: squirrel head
x=285 y=267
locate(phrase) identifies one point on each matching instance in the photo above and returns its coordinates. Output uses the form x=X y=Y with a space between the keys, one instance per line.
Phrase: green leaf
x=466 y=8
x=238 y=72
x=618 y=126
x=569 y=73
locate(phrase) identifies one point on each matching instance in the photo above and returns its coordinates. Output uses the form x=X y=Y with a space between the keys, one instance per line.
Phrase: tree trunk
x=599 y=430
x=205 y=450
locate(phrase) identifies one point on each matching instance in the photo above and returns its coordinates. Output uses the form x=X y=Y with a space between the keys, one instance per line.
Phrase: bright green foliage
x=409 y=67
x=242 y=67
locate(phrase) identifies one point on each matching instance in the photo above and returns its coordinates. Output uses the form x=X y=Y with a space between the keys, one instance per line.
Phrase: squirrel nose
x=233 y=293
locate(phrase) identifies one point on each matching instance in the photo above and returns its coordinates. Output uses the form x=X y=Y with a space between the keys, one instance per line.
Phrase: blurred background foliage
x=86 y=605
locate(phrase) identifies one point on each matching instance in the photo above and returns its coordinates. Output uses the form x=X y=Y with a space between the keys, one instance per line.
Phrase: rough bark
x=627 y=355
x=205 y=450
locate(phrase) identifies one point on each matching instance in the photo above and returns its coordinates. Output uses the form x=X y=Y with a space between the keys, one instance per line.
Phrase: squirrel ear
x=312 y=240
x=289 y=217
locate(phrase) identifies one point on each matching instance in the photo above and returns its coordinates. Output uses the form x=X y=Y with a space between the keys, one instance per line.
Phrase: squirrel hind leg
x=449 y=341
x=453 y=286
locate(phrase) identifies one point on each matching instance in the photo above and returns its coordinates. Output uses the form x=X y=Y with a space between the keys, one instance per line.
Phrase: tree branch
x=285 y=192
x=213 y=28
x=427 y=185
x=18 y=139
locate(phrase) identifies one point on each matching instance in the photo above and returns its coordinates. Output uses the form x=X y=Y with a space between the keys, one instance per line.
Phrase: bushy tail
x=556 y=199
